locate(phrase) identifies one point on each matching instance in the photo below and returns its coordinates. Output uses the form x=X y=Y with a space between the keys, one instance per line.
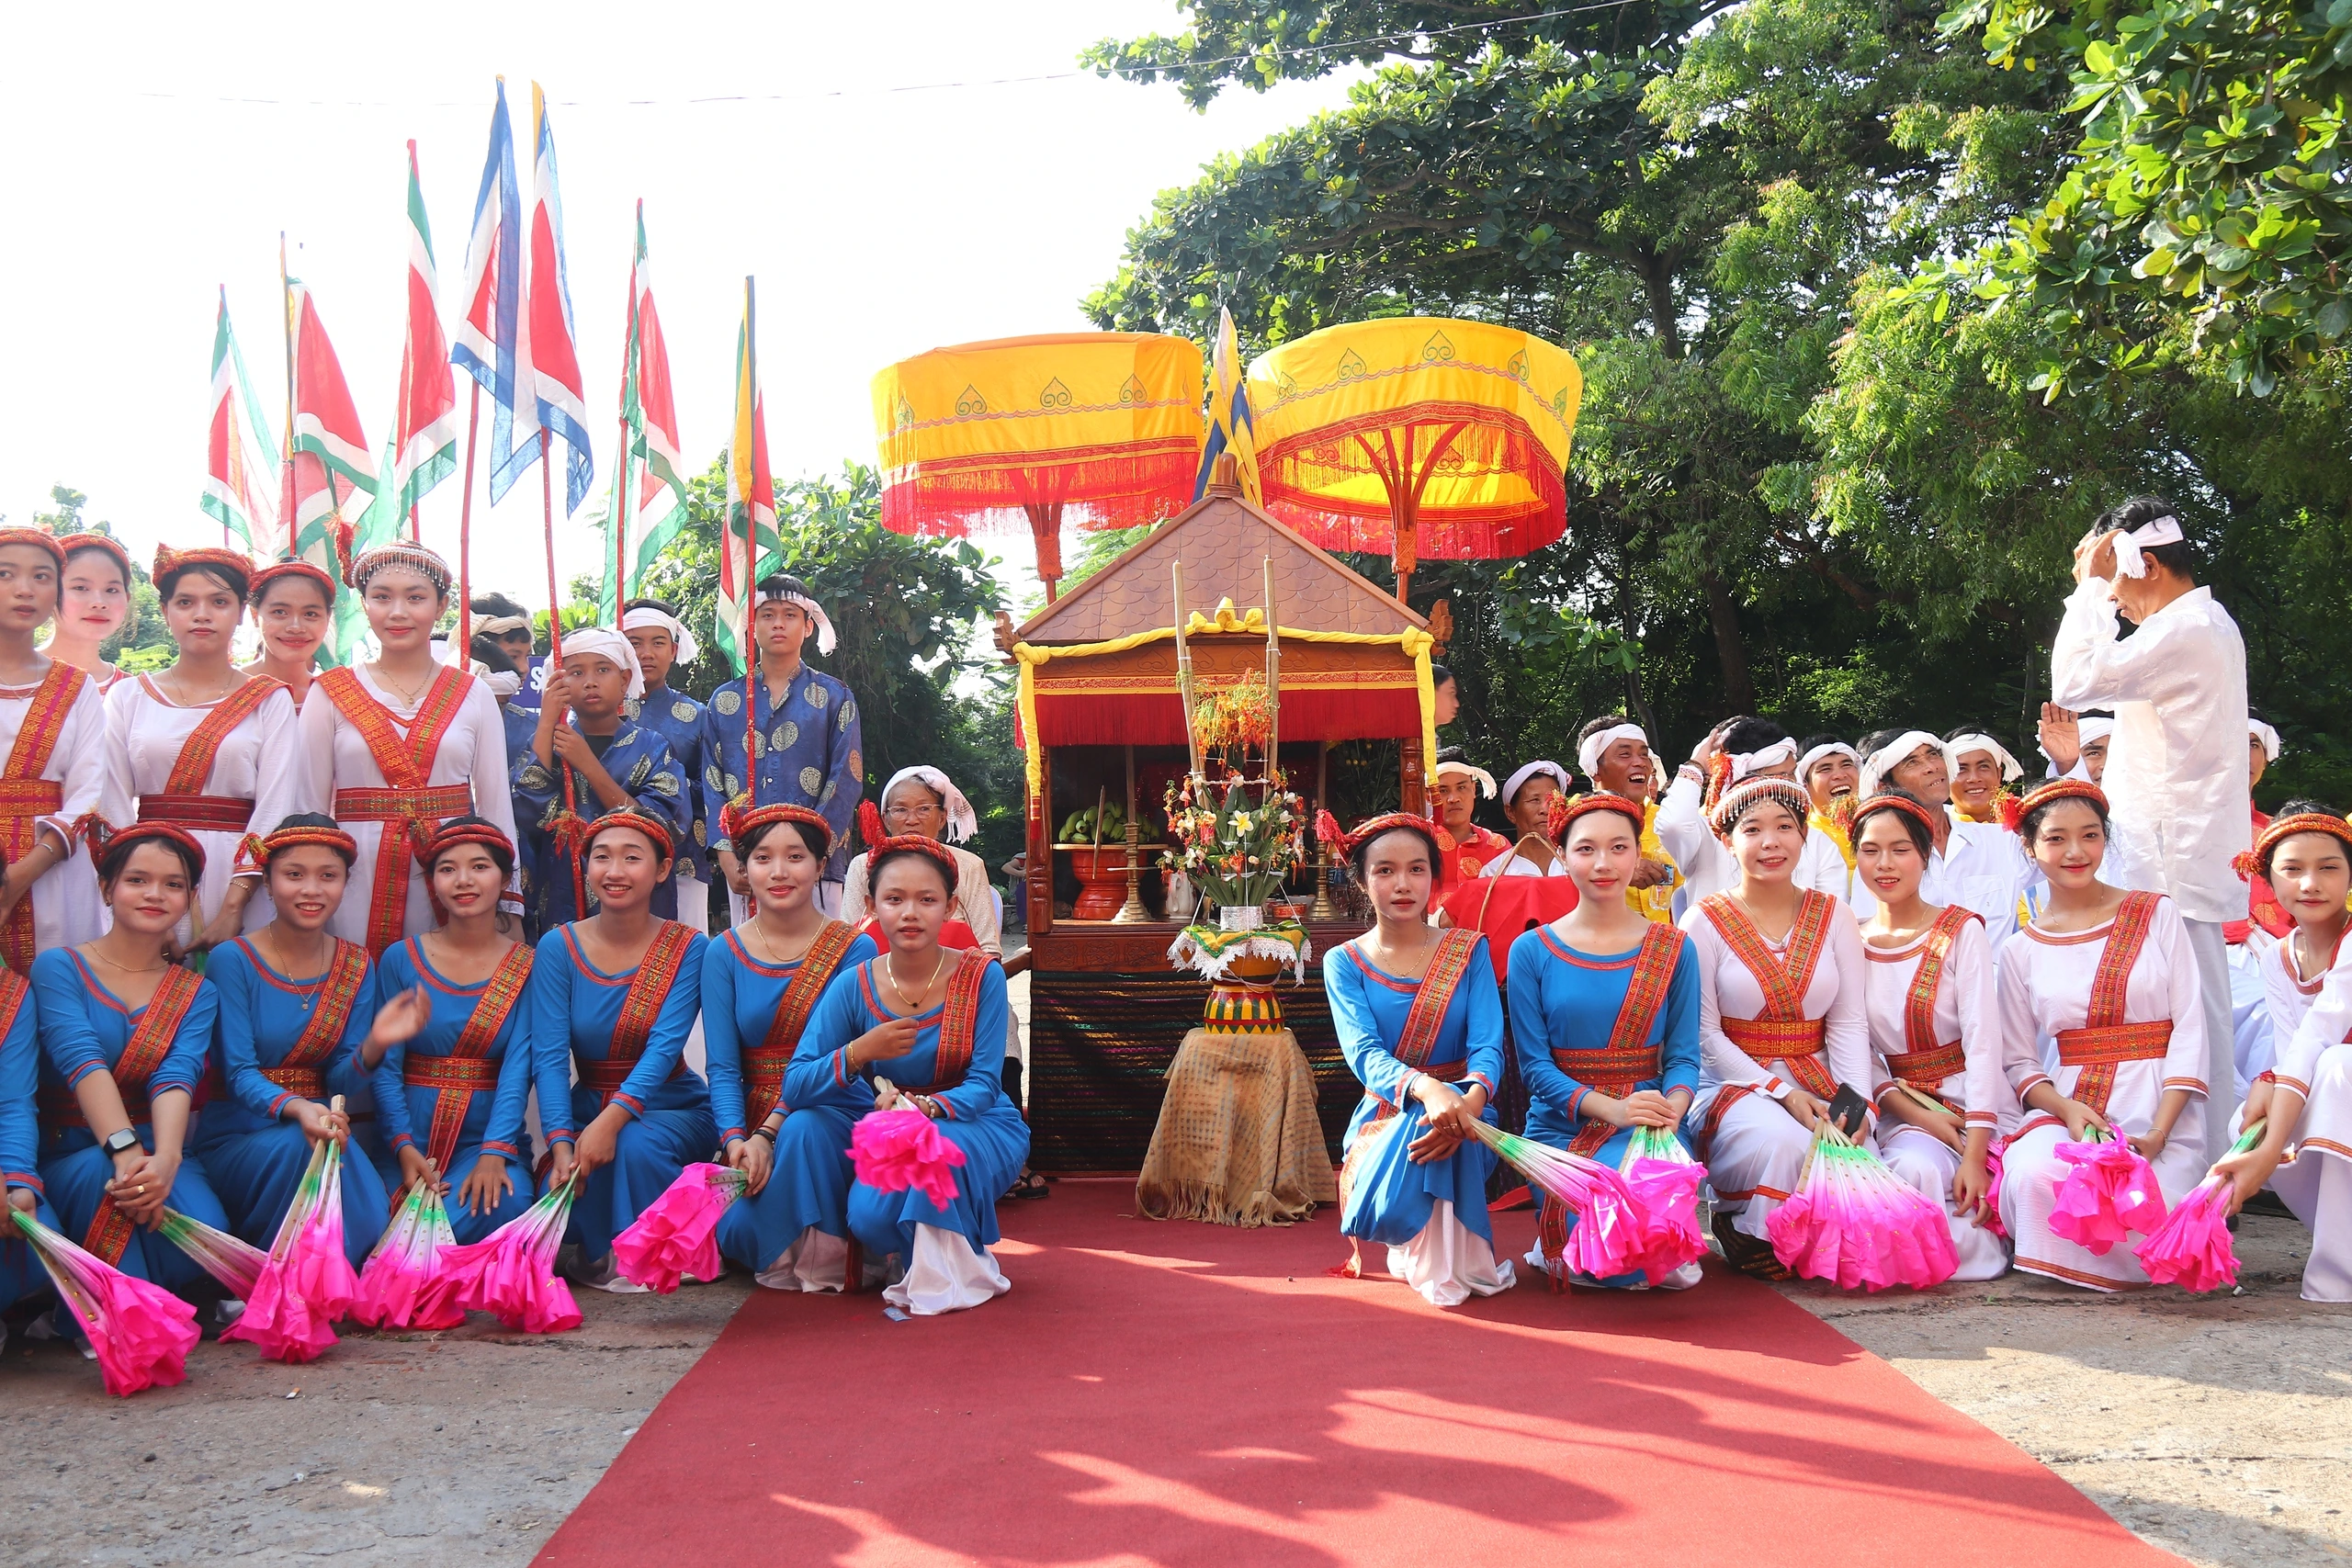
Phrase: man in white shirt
x=2176 y=780
x=1977 y=865
x=1740 y=749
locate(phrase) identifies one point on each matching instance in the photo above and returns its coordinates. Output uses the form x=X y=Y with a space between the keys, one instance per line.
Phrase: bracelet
x=767 y=1132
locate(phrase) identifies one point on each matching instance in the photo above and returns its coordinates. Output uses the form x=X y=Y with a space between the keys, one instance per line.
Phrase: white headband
x=1821 y=753
x=2269 y=737
x=607 y=643
x=645 y=616
x=499 y=625
x=1878 y=764
x=1557 y=774
x=962 y=821
x=2089 y=729
x=2129 y=562
x=1485 y=779
x=1954 y=750
x=503 y=683
x=825 y=638
x=1590 y=749
x=1745 y=762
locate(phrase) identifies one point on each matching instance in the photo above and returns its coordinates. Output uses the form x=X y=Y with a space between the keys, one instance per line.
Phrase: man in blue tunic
x=811 y=750
x=663 y=642
x=614 y=765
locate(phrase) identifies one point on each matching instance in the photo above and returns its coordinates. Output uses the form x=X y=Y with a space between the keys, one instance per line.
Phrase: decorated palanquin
x=1101 y=725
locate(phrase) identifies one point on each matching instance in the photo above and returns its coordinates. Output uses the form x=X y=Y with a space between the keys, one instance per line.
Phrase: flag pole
x=751 y=564
x=285 y=315
x=620 y=496
x=555 y=659
x=465 y=532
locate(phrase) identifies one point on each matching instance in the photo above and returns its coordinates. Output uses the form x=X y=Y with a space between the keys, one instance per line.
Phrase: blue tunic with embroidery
x=255 y=1157
x=83 y=1027
x=811 y=754
x=493 y=1121
x=979 y=1118
x=1385 y=1197
x=677 y=718
x=20 y=1272
x=640 y=762
x=574 y=1009
x=1562 y=999
x=809 y=1182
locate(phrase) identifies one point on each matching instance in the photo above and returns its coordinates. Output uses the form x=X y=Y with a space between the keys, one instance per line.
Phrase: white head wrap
x=607 y=643
x=1455 y=766
x=1557 y=774
x=503 y=683
x=1590 y=749
x=644 y=617
x=1880 y=764
x=2129 y=562
x=1745 y=762
x=1960 y=746
x=962 y=820
x=499 y=625
x=2094 y=729
x=825 y=638
x=1822 y=752
x=2269 y=737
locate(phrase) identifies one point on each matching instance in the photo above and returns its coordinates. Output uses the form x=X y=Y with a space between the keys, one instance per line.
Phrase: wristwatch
x=120 y=1141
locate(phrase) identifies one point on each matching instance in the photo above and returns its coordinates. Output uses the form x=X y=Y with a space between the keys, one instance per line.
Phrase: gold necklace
x=406 y=694
x=890 y=971
x=125 y=969
x=771 y=953
x=178 y=692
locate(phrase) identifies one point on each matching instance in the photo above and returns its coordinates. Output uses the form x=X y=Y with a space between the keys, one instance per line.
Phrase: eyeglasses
x=912 y=813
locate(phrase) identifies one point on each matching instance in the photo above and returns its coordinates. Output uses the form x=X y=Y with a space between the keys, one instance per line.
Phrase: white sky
x=879 y=223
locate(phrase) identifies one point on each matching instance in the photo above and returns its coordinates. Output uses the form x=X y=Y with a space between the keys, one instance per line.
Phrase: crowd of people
x=461 y=926
x=1903 y=937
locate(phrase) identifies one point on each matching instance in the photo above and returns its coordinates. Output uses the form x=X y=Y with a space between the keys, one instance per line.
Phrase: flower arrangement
x=1235 y=842
x=1234 y=720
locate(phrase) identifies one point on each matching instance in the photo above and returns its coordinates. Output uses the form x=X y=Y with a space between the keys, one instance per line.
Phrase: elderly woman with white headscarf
x=924 y=800
x=586 y=760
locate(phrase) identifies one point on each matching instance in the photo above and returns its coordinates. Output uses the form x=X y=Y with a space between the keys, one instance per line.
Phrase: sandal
x=1031 y=1185
x=1750 y=1257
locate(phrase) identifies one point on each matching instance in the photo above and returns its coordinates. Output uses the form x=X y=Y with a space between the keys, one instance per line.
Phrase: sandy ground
x=2217 y=1427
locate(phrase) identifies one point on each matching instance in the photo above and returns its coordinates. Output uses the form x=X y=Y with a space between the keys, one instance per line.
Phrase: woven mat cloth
x=1238 y=1142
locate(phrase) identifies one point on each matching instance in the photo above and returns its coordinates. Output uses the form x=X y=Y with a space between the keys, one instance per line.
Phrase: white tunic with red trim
x=473 y=754
x=2045 y=986
x=66 y=908
x=258 y=761
x=2312 y=1022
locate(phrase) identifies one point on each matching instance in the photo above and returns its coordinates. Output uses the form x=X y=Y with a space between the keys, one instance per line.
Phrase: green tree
x=144 y=642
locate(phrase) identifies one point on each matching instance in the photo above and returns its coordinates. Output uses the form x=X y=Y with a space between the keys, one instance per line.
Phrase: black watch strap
x=121 y=1141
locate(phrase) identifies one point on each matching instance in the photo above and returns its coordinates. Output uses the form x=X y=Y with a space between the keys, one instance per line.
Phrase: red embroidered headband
x=736 y=818
x=42 y=539
x=2014 y=811
x=1746 y=796
x=269 y=577
x=1904 y=804
x=452 y=835
x=1564 y=812
x=108 y=840
x=651 y=826
x=261 y=850
x=238 y=567
x=2255 y=861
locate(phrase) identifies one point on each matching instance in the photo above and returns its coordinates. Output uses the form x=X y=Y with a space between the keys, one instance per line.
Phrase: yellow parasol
x=1417 y=435
x=991 y=434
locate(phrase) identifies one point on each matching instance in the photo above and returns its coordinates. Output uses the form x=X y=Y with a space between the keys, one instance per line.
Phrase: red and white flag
x=330 y=464
x=425 y=449
x=240 y=455
x=548 y=363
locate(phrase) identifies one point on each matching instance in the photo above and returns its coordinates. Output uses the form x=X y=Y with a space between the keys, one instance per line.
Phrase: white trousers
x=1928 y=1164
x=946 y=1274
x=1447 y=1263
x=2221 y=1100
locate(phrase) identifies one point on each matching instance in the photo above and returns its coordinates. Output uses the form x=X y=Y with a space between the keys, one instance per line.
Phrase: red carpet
x=1183 y=1393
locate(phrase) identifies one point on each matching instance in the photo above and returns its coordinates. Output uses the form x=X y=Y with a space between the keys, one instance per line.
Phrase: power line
x=1288 y=52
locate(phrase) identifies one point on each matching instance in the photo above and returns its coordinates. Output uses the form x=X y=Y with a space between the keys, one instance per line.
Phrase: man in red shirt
x=1457 y=786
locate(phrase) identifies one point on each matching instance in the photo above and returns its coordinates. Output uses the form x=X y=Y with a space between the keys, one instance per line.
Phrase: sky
x=157 y=153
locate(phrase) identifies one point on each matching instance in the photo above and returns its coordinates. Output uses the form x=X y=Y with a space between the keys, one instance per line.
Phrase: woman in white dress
x=206 y=747
x=1935 y=1036
x=2305 y=1154
x=1782 y=1019
x=401 y=743
x=93 y=601
x=2110 y=978
x=52 y=765
x=293 y=605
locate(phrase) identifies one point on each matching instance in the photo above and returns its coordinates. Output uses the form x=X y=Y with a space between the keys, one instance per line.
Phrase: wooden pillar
x=1041 y=847
x=1409 y=794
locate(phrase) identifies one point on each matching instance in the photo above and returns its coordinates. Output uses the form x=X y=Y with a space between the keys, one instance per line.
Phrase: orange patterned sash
x=26 y=797
x=2105 y=1039
x=959 y=1023
x=302 y=1071
x=1782 y=1032
x=408 y=807
x=151 y=1040
x=763 y=1063
x=181 y=801
x=468 y=1070
x=1630 y=1056
x=1924 y=1063
x=640 y=1007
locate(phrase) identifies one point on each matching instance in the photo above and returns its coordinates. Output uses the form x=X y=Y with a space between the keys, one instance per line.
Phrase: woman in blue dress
x=21 y=1271
x=760 y=984
x=1421 y=1024
x=616 y=995
x=452 y=1096
x=922 y=1026
x=297 y=1002
x=1604 y=1010
x=123 y=1036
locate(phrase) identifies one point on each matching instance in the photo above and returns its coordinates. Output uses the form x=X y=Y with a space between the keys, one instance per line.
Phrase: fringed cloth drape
x=1238 y=1141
